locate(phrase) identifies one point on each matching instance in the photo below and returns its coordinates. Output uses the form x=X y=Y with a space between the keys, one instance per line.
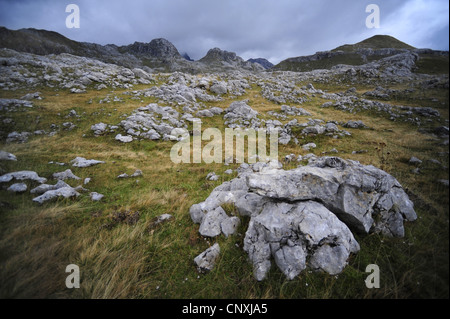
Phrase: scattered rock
x=99 y=128
x=96 y=196
x=136 y=173
x=415 y=161
x=16 y=137
x=82 y=162
x=354 y=124
x=17 y=188
x=5 y=156
x=65 y=192
x=124 y=139
x=212 y=176
x=22 y=175
x=41 y=189
x=309 y=146
x=158 y=220
x=67 y=174
x=206 y=260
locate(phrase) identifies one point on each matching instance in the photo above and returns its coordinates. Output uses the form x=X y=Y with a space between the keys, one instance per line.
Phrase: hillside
x=159 y=54
x=375 y=42
x=123 y=171
x=366 y=51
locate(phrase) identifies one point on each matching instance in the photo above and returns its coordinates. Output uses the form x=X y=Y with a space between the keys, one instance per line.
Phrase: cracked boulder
x=364 y=197
x=293 y=233
x=305 y=216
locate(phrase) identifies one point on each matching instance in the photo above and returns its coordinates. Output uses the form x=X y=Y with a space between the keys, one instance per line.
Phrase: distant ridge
x=375 y=42
x=157 y=55
x=160 y=55
x=264 y=62
x=368 y=50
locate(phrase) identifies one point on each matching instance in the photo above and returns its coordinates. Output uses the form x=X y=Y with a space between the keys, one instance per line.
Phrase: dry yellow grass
x=130 y=261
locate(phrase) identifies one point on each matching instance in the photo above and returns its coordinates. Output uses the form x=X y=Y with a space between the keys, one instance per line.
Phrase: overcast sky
x=273 y=29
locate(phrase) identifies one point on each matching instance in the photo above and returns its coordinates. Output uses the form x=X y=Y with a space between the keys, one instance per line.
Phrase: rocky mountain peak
x=157 y=48
x=218 y=55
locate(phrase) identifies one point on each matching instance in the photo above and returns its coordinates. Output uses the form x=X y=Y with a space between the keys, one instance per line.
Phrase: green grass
x=431 y=64
x=118 y=260
x=375 y=42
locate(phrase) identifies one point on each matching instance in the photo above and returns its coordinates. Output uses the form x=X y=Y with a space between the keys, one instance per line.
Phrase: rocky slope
x=370 y=50
x=159 y=54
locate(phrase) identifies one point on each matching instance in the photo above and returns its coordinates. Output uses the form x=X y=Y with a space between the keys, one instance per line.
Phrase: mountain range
x=160 y=55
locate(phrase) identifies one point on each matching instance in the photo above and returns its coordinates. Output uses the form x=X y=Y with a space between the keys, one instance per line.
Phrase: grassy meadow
x=123 y=254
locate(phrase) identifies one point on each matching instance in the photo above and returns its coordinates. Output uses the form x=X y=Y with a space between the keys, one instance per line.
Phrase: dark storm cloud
x=252 y=28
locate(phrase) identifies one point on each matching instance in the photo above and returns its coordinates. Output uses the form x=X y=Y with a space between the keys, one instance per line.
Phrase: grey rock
x=124 y=139
x=17 y=188
x=162 y=218
x=41 y=189
x=204 y=113
x=306 y=213
x=22 y=175
x=96 y=196
x=240 y=110
x=67 y=174
x=291 y=232
x=212 y=176
x=216 y=110
x=66 y=192
x=230 y=225
x=32 y=96
x=331 y=128
x=136 y=173
x=291 y=110
x=16 y=137
x=219 y=88
x=415 y=161
x=309 y=146
x=206 y=260
x=5 y=156
x=354 y=124
x=82 y=162
x=211 y=225
x=315 y=129
x=99 y=128
x=350 y=190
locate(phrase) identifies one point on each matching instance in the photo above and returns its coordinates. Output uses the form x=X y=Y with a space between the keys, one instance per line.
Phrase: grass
x=137 y=260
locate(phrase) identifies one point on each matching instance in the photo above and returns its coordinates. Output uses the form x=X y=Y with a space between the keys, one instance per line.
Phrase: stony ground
x=87 y=178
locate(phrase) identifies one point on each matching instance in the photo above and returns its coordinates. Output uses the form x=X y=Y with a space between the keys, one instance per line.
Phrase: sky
x=271 y=29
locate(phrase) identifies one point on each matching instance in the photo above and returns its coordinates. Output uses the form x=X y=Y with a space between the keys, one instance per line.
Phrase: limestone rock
x=206 y=260
x=67 y=174
x=307 y=213
x=5 y=156
x=22 y=175
x=66 y=192
x=82 y=162
x=96 y=196
x=124 y=139
x=41 y=189
x=17 y=188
